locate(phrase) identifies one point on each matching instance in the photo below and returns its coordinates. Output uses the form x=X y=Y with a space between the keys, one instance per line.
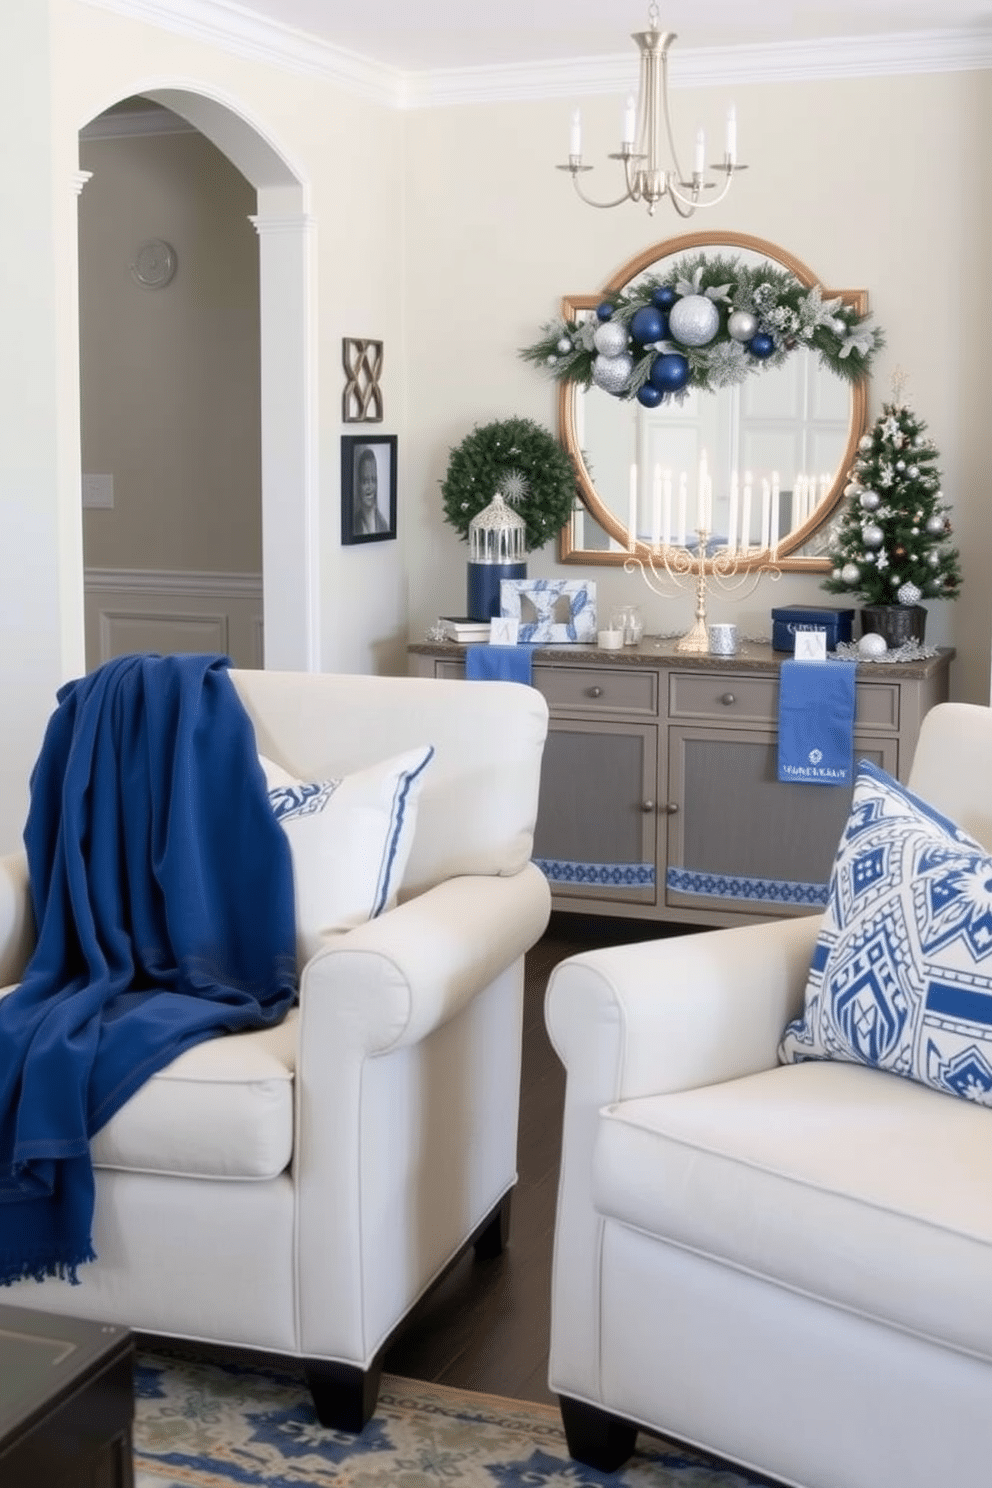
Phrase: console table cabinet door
x=742 y=840
x=597 y=828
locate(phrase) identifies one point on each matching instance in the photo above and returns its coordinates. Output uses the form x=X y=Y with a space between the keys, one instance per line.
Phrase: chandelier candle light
x=647 y=145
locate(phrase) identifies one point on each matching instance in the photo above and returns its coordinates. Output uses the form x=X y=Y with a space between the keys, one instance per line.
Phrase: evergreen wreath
x=708 y=323
x=891 y=543
x=525 y=464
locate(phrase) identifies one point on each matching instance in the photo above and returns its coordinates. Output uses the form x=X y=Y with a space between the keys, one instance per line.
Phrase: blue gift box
x=789 y=618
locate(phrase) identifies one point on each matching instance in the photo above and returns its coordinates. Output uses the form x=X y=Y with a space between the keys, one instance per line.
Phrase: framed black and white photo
x=368 y=487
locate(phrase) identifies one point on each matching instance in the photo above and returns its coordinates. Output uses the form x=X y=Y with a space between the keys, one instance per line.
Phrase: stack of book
x=463 y=630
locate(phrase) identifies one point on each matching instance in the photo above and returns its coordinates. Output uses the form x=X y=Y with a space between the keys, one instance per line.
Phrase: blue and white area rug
x=209 y=1425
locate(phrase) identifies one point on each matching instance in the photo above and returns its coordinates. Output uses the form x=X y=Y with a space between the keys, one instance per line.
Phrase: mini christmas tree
x=892 y=541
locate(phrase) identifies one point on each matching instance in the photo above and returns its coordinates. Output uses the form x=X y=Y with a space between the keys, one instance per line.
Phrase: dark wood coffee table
x=66 y=1402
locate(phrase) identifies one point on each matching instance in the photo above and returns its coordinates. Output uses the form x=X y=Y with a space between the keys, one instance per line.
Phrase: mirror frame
x=789 y=561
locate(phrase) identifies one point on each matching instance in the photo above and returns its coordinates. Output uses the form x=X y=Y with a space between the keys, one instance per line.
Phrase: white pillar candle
x=731 y=150
x=683 y=497
x=700 y=152
x=746 y=514
x=701 y=493
x=666 y=520
x=656 y=508
x=775 y=530
x=732 y=514
x=575 y=138
x=632 y=513
x=766 y=512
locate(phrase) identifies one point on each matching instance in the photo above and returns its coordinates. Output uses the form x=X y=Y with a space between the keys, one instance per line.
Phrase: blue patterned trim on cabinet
x=756 y=890
x=600 y=875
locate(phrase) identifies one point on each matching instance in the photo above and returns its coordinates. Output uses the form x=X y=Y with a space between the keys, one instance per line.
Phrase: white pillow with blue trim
x=350 y=841
x=902 y=972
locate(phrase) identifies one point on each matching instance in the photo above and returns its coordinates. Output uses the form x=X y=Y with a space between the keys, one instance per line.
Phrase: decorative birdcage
x=497 y=551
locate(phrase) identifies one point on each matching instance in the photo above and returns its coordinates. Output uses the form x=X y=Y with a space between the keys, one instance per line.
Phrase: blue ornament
x=604 y=310
x=761 y=346
x=647 y=325
x=669 y=372
x=649 y=396
x=664 y=297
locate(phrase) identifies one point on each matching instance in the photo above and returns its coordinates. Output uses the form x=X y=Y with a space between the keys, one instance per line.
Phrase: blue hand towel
x=816 y=722
x=498 y=663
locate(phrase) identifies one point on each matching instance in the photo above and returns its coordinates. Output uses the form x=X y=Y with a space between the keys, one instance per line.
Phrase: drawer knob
x=594 y=692
x=728 y=700
x=670 y=808
x=647 y=806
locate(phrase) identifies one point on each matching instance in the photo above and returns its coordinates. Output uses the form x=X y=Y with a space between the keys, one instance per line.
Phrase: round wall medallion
x=154 y=264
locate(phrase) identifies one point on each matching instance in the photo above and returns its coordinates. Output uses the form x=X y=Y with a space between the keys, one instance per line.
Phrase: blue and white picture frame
x=550 y=610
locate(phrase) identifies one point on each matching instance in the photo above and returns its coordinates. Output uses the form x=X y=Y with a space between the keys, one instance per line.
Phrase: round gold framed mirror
x=783 y=439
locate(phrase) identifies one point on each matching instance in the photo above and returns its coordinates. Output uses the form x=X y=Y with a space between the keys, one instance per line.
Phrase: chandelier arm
x=627 y=196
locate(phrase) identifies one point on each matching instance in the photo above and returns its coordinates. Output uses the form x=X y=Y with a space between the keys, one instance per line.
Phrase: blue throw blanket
x=162 y=891
x=816 y=722
x=499 y=663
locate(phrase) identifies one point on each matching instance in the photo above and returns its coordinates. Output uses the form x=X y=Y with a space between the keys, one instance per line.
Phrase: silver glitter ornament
x=900 y=464
x=610 y=339
x=935 y=524
x=933 y=559
x=694 y=320
x=908 y=594
x=913 y=472
x=864 y=442
x=742 y=325
x=870 y=500
x=612 y=373
x=564 y=346
x=872 y=536
x=835 y=573
x=850 y=573
x=872 y=644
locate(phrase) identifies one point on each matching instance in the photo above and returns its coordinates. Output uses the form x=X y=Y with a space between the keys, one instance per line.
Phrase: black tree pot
x=895 y=623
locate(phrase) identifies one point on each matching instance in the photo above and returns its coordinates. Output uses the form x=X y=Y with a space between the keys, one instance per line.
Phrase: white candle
x=746 y=514
x=656 y=508
x=775 y=530
x=629 y=122
x=666 y=526
x=683 y=495
x=700 y=152
x=731 y=135
x=701 y=493
x=632 y=515
x=732 y=514
x=766 y=512
x=575 y=140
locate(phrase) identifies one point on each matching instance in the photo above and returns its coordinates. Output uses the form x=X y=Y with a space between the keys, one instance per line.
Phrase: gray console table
x=659 y=790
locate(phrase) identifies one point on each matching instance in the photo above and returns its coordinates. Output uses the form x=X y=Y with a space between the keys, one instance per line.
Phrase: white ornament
x=742 y=325
x=933 y=559
x=835 y=573
x=612 y=373
x=610 y=339
x=694 y=320
x=872 y=536
x=872 y=644
x=870 y=500
x=850 y=573
x=913 y=472
x=900 y=464
x=908 y=594
x=552 y=360
x=564 y=346
x=935 y=524
x=864 y=442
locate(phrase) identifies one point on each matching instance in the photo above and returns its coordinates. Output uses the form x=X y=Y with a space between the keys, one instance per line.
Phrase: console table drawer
x=598 y=689
x=733 y=697
x=876 y=705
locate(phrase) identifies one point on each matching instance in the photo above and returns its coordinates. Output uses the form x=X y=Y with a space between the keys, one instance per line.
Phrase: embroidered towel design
x=498 y=664
x=816 y=722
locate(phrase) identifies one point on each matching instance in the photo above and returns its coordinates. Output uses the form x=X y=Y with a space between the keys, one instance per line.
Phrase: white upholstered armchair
x=298 y=1189
x=789 y=1265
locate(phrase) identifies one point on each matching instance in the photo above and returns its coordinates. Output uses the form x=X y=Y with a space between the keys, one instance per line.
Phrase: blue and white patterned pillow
x=350 y=841
x=902 y=972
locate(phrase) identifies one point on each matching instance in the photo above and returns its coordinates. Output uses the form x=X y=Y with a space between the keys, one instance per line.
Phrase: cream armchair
x=787 y=1265
x=297 y=1190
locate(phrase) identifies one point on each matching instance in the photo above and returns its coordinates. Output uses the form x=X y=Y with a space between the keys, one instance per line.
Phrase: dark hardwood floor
x=486 y=1326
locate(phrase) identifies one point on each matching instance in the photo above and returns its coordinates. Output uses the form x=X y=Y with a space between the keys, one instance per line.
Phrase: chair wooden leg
x=344 y=1396
x=595 y=1437
x=495 y=1233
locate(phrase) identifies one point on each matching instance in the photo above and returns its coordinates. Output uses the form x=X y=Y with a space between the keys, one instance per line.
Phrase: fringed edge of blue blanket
x=36 y=1268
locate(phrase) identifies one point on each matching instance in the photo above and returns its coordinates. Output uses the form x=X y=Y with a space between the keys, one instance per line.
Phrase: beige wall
x=881 y=183
x=448 y=234
x=170 y=377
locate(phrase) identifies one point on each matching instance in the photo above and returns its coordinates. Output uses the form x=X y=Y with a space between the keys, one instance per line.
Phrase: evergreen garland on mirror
x=891 y=544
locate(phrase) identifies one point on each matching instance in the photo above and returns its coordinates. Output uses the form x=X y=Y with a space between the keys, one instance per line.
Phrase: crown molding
x=240 y=31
